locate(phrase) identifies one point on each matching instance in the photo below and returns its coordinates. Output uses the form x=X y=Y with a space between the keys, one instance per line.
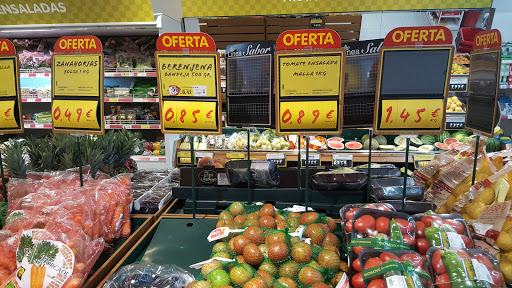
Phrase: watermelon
x=335 y=139
x=381 y=139
x=335 y=145
x=353 y=145
x=455 y=145
x=428 y=139
x=442 y=137
x=441 y=146
x=492 y=145
x=449 y=141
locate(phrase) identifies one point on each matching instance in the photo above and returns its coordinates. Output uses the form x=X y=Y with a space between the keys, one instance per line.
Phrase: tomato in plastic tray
x=392 y=269
x=347 y=213
x=441 y=230
x=464 y=268
x=382 y=230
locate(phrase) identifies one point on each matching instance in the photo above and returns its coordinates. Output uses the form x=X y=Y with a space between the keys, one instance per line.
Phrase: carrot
x=4 y=274
x=116 y=221
x=74 y=282
x=37 y=274
x=126 y=229
x=88 y=229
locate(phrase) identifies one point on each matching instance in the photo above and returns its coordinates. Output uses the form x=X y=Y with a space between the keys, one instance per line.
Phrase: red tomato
x=443 y=281
x=384 y=208
x=386 y=256
x=496 y=277
x=493 y=234
x=372 y=262
x=420 y=229
x=377 y=283
x=462 y=254
x=406 y=226
x=357 y=265
x=437 y=262
x=416 y=260
x=422 y=246
x=365 y=224
x=468 y=242
x=382 y=225
x=428 y=219
x=357 y=280
x=348 y=226
x=459 y=227
x=350 y=213
x=483 y=260
x=358 y=249
x=408 y=239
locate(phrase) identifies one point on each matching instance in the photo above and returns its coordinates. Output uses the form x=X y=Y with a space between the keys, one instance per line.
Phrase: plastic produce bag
x=143 y=274
x=263 y=173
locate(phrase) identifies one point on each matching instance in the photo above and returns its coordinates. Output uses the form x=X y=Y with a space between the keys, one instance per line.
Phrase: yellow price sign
x=7 y=115
x=77 y=75
x=187 y=116
x=317 y=74
x=235 y=155
x=412 y=114
x=187 y=75
x=75 y=115
x=8 y=75
x=306 y=116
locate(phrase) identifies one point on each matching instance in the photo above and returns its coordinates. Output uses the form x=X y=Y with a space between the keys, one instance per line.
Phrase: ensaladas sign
x=33 y=12
x=201 y=8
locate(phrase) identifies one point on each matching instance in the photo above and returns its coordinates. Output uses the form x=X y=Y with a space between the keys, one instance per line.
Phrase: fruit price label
x=342 y=160
x=11 y=118
x=300 y=116
x=421 y=161
x=235 y=155
x=75 y=114
x=458 y=84
x=77 y=75
x=278 y=158
x=189 y=116
x=412 y=114
x=313 y=159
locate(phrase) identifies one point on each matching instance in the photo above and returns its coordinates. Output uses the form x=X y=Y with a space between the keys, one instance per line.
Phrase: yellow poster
x=301 y=116
x=189 y=115
x=8 y=76
x=77 y=75
x=187 y=75
x=317 y=74
x=7 y=119
x=75 y=114
x=412 y=114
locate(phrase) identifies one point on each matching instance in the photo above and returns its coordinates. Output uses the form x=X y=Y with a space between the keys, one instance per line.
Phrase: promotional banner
x=309 y=82
x=11 y=118
x=198 y=8
x=407 y=102
x=45 y=12
x=77 y=86
x=189 y=83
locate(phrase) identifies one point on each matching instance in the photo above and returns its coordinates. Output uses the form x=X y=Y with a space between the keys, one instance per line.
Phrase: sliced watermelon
x=441 y=146
x=455 y=145
x=449 y=141
x=353 y=145
x=335 y=145
x=335 y=139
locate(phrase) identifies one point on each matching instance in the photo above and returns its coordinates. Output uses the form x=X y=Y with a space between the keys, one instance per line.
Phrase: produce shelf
x=33 y=125
x=32 y=99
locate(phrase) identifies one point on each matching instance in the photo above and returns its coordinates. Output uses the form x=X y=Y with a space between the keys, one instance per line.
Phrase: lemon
x=454 y=98
x=459 y=104
x=458 y=109
x=453 y=106
x=450 y=110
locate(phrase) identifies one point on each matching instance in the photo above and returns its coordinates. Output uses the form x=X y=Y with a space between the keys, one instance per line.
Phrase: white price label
x=343 y=282
x=397 y=281
x=482 y=273
x=222 y=232
x=200 y=90
x=343 y=160
x=455 y=240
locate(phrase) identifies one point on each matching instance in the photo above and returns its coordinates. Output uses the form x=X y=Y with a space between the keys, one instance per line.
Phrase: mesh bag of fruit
x=464 y=268
x=391 y=269
x=441 y=230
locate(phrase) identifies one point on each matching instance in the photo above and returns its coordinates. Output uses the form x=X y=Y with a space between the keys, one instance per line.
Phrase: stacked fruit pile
x=266 y=255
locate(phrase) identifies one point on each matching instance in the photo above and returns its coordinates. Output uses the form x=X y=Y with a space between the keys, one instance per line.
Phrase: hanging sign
x=406 y=101
x=309 y=82
x=189 y=84
x=11 y=118
x=77 y=86
x=482 y=110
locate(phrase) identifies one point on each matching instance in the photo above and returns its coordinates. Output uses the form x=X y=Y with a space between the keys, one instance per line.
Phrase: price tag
x=422 y=160
x=313 y=160
x=7 y=116
x=235 y=155
x=75 y=114
x=11 y=118
x=77 y=75
x=187 y=116
x=278 y=158
x=455 y=122
x=342 y=160
x=306 y=115
x=412 y=114
x=201 y=155
x=458 y=84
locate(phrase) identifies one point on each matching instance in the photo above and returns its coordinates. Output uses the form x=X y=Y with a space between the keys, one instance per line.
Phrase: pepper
x=433 y=235
x=395 y=233
x=410 y=273
x=456 y=271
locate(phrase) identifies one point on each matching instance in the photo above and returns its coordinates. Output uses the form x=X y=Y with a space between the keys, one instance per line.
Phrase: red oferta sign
x=487 y=39
x=183 y=41
x=78 y=44
x=412 y=36
x=304 y=39
x=6 y=47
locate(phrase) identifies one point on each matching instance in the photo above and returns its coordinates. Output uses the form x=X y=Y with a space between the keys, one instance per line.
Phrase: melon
x=335 y=145
x=492 y=145
x=455 y=145
x=460 y=135
x=365 y=137
x=442 y=137
x=468 y=139
x=449 y=141
x=416 y=141
x=428 y=139
x=375 y=144
x=353 y=145
x=400 y=148
x=381 y=139
x=386 y=147
x=400 y=141
x=426 y=148
x=441 y=146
